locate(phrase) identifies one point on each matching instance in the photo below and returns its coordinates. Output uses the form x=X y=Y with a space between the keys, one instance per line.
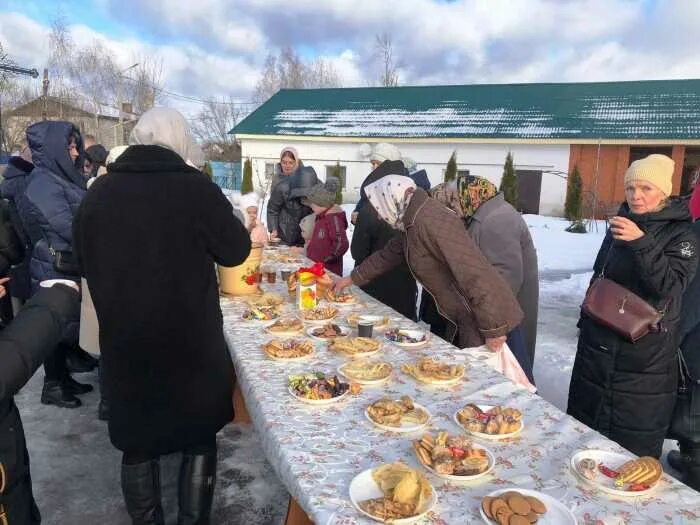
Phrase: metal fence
x=227 y=175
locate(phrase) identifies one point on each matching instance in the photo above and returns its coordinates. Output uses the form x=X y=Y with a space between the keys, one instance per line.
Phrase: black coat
x=285 y=210
x=24 y=345
x=397 y=288
x=689 y=332
x=148 y=234
x=626 y=390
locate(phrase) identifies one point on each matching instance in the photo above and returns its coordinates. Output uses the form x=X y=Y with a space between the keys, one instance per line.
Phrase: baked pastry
x=645 y=471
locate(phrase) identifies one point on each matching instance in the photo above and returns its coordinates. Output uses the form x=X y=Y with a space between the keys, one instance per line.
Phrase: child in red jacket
x=329 y=240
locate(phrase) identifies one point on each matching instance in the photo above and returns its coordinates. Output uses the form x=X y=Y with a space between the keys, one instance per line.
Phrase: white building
x=547 y=128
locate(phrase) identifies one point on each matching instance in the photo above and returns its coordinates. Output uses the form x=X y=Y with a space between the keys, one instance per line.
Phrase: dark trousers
x=55 y=367
x=201 y=449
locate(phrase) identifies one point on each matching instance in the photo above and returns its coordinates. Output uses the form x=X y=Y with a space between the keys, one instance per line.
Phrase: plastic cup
x=365 y=328
x=286 y=274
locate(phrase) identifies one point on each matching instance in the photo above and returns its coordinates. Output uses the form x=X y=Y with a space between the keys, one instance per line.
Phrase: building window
x=269 y=170
x=639 y=152
x=343 y=171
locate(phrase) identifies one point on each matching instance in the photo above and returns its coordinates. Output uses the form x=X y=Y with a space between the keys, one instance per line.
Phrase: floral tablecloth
x=316 y=451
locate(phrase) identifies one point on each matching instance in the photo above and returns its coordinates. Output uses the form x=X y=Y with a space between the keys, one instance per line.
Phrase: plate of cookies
x=523 y=507
x=489 y=422
x=617 y=474
x=453 y=457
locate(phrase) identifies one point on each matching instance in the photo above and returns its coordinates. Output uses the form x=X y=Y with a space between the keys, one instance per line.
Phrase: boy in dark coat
x=24 y=345
x=329 y=240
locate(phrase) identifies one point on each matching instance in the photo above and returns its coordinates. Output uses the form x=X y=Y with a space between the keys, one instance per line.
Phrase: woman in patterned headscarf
x=503 y=237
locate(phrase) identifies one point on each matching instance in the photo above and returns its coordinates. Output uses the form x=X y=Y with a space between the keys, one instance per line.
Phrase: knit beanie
x=323 y=193
x=656 y=169
x=385 y=151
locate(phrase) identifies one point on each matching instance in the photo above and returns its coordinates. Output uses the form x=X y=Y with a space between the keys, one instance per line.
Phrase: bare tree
x=287 y=70
x=144 y=87
x=212 y=124
x=389 y=76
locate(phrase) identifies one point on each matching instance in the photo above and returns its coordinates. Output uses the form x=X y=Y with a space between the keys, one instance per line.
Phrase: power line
x=180 y=96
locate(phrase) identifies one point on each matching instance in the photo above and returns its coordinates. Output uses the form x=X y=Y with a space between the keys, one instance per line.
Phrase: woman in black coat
x=397 y=288
x=625 y=390
x=285 y=210
x=24 y=345
x=148 y=235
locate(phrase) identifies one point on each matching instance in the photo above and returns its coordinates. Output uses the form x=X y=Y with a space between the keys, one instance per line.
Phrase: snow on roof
x=616 y=110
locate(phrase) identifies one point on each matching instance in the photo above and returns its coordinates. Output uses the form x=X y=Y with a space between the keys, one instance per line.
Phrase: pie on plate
x=495 y=422
x=453 y=457
x=355 y=346
x=617 y=474
x=288 y=348
x=432 y=371
x=402 y=415
x=266 y=299
x=376 y=320
x=366 y=372
x=392 y=493
x=286 y=325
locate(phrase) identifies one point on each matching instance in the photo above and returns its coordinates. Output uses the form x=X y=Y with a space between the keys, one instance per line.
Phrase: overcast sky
x=217 y=47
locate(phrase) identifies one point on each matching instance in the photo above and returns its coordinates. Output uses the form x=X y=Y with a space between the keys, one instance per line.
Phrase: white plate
x=302 y=358
x=453 y=477
x=557 y=513
x=363 y=487
x=367 y=382
x=411 y=333
x=318 y=321
x=383 y=320
x=343 y=330
x=319 y=402
x=359 y=355
x=601 y=482
x=260 y=321
x=482 y=435
x=405 y=427
x=283 y=334
x=439 y=382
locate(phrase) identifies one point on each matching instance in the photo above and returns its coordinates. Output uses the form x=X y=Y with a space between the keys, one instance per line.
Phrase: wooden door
x=529 y=190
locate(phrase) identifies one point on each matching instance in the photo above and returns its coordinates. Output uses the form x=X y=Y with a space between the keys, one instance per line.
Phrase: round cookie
x=496 y=504
x=533 y=517
x=519 y=505
x=503 y=516
x=486 y=506
x=517 y=519
x=536 y=505
x=509 y=494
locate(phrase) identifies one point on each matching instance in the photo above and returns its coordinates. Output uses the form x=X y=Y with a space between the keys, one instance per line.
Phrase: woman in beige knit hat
x=626 y=390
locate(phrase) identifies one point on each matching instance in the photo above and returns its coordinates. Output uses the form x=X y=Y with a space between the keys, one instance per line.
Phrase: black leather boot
x=75 y=388
x=55 y=394
x=196 y=488
x=141 y=490
x=79 y=361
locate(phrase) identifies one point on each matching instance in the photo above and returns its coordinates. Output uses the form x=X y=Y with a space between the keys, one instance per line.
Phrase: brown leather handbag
x=620 y=310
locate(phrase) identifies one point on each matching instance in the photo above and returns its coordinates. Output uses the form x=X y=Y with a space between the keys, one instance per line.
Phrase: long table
x=316 y=451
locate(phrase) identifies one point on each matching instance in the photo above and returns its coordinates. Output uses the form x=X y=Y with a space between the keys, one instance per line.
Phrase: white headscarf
x=243 y=202
x=166 y=127
x=388 y=196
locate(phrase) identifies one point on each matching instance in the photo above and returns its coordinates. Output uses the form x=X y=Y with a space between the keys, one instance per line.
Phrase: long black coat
x=148 y=234
x=397 y=288
x=626 y=390
x=24 y=345
x=285 y=210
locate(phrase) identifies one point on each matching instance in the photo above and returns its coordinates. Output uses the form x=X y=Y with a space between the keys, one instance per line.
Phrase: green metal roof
x=653 y=109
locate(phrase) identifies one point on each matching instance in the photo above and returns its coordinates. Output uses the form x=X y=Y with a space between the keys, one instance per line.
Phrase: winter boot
x=196 y=488
x=72 y=386
x=141 y=490
x=79 y=361
x=54 y=393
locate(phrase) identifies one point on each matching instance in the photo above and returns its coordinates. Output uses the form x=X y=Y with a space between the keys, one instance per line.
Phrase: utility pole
x=120 y=76
x=45 y=96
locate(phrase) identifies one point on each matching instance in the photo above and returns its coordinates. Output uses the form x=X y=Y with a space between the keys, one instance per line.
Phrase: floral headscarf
x=388 y=197
x=473 y=192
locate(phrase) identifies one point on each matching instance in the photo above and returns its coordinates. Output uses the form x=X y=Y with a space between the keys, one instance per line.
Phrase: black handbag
x=64 y=263
x=685 y=422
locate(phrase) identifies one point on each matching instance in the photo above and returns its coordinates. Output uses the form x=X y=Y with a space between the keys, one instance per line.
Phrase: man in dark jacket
x=24 y=345
x=397 y=288
x=13 y=187
x=285 y=209
x=51 y=199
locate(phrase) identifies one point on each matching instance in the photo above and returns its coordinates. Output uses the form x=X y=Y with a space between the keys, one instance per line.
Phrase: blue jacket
x=53 y=195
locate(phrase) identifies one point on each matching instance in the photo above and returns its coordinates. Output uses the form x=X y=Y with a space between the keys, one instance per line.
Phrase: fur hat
x=323 y=193
x=385 y=151
x=656 y=169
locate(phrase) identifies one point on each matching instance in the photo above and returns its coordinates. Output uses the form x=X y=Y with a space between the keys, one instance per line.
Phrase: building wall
x=603 y=172
x=485 y=160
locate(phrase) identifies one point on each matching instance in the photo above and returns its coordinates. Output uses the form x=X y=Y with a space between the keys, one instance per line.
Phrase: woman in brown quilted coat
x=478 y=304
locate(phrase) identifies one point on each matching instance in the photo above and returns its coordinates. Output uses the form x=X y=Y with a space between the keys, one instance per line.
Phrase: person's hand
x=353 y=217
x=341 y=284
x=273 y=235
x=3 y=290
x=624 y=229
x=495 y=344
x=296 y=249
x=252 y=224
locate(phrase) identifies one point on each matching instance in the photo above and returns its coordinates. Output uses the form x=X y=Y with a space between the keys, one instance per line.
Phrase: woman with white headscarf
x=477 y=303
x=147 y=235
